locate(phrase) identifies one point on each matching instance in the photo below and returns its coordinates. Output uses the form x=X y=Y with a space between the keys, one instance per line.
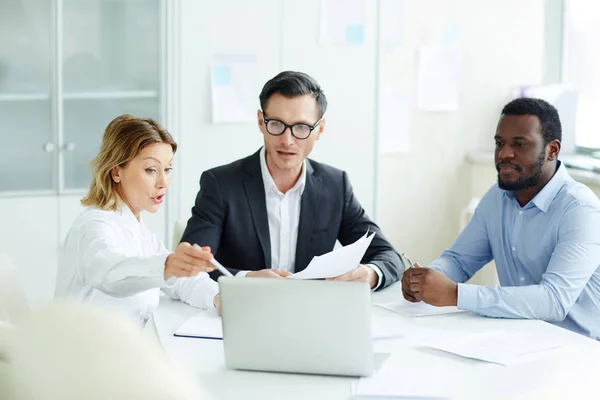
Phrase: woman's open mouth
x=158 y=199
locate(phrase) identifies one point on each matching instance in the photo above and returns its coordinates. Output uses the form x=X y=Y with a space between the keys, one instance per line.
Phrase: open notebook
x=204 y=325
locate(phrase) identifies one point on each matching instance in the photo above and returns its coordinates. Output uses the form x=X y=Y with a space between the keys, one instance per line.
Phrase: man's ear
x=321 y=128
x=259 y=117
x=116 y=174
x=553 y=150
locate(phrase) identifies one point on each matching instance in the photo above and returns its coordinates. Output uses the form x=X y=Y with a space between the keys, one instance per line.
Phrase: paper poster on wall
x=234 y=93
x=343 y=22
x=394 y=120
x=438 y=78
x=391 y=14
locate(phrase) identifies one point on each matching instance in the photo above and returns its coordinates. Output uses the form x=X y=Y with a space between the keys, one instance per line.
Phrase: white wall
x=284 y=36
x=502 y=45
x=210 y=27
x=553 y=32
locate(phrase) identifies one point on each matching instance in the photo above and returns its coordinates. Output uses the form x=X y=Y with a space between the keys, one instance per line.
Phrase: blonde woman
x=110 y=257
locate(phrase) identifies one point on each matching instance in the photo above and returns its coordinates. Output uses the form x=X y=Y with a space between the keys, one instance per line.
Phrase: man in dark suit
x=269 y=214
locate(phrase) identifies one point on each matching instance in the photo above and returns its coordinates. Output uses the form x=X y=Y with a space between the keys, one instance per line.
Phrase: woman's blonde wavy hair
x=124 y=138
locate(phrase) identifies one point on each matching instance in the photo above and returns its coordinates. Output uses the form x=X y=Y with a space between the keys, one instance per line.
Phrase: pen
x=221 y=268
x=218 y=265
x=405 y=258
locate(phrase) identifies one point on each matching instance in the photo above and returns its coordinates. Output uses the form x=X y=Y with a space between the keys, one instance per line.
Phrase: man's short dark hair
x=546 y=113
x=292 y=84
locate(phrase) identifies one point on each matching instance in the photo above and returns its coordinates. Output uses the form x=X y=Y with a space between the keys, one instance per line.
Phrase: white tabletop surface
x=572 y=372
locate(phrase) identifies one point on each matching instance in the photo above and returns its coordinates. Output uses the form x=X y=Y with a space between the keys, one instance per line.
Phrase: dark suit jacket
x=230 y=216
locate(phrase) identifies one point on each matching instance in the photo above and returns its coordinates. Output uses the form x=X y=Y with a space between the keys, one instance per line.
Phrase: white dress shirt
x=112 y=259
x=283 y=211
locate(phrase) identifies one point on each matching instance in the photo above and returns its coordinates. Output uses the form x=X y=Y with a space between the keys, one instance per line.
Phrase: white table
x=570 y=373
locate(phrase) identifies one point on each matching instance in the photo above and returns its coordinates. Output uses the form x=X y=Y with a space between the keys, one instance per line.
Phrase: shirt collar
x=544 y=198
x=268 y=179
x=128 y=219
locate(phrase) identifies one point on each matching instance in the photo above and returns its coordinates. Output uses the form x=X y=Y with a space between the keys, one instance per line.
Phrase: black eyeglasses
x=299 y=131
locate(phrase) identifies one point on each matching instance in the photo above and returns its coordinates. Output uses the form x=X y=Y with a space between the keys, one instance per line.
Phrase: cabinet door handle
x=49 y=147
x=70 y=146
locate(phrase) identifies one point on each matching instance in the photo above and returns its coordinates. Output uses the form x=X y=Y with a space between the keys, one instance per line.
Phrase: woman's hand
x=188 y=260
x=217 y=303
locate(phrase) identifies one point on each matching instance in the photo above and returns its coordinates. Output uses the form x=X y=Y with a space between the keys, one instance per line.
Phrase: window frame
x=590 y=151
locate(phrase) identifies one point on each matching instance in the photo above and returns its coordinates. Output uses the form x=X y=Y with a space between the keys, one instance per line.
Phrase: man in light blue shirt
x=540 y=227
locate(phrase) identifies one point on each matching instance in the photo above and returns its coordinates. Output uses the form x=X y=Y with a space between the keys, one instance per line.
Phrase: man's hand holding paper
x=342 y=264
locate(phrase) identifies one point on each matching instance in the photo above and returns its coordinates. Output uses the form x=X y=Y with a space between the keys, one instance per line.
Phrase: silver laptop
x=313 y=327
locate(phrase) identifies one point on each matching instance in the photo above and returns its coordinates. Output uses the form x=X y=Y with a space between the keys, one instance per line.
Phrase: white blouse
x=112 y=259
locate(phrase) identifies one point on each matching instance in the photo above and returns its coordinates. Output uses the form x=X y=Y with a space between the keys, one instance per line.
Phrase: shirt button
x=520 y=212
x=522 y=279
x=284 y=233
x=514 y=249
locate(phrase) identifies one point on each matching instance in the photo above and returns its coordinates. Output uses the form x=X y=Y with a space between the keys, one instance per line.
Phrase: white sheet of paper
x=500 y=347
x=419 y=309
x=343 y=22
x=336 y=262
x=438 y=78
x=401 y=383
x=391 y=26
x=387 y=386
x=233 y=88
x=386 y=328
x=205 y=324
x=394 y=120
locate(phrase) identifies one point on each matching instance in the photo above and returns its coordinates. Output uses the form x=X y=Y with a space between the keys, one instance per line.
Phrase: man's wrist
x=454 y=297
x=375 y=279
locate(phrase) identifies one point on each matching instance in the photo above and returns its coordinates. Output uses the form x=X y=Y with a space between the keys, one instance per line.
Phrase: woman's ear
x=116 y=173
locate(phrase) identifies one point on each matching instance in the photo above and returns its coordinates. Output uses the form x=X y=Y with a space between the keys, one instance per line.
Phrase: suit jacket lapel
x=255 y=193
x=308 y=215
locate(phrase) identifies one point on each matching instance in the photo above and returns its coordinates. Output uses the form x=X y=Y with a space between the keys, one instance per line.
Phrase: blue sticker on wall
x=221 y=75
x=452 y=35
x=355 y=34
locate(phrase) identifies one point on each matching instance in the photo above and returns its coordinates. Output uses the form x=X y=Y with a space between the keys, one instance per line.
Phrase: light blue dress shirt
x=547 y=255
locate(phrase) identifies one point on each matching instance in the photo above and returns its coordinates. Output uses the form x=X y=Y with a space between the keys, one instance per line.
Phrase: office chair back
x=178 y=232
x=13 y=301
x=76 y=351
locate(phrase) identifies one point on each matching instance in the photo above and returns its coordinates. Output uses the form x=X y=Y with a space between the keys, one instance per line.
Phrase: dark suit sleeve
x=355 y=223
x=208 y=215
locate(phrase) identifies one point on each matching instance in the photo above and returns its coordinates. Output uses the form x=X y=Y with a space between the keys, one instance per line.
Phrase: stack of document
x=336 y=262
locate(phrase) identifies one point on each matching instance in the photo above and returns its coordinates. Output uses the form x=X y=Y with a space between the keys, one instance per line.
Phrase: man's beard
x=525 y=182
